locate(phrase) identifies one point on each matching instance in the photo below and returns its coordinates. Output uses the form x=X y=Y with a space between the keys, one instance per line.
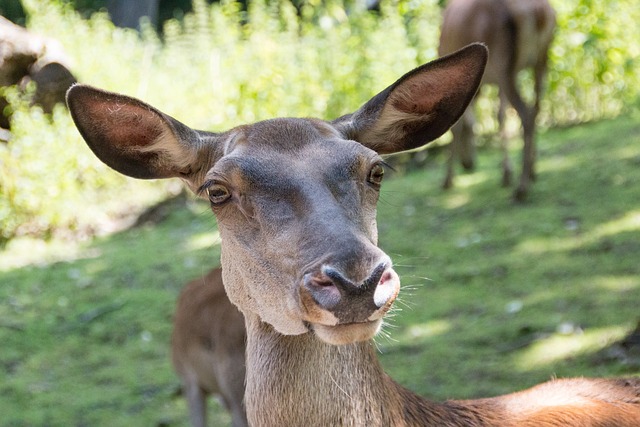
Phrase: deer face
x=296 y=207
x=295 y=199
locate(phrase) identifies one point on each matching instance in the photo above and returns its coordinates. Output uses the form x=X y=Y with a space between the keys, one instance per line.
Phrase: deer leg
x=528 y=157
x=230 y=373
x=238 y=415
x=453 y=149
x=508 y=87
x=540 y=72
x=196 y=400
x=467 y=146
x=462 y=146
x=507 y=169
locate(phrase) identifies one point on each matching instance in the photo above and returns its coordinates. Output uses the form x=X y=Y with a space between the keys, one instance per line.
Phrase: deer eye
x=218 y=194
x=376 y=174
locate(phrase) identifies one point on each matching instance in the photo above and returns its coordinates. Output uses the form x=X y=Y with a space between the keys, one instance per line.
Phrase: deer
x=207 y=348
x=518 y=34
x=26 y=57
x=295 y=203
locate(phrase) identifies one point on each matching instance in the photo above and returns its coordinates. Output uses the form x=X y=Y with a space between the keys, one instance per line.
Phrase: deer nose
x=349 y=301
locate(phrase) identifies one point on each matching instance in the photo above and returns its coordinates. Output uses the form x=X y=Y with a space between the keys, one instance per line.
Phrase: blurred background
x=498 y=296
x=218 y=65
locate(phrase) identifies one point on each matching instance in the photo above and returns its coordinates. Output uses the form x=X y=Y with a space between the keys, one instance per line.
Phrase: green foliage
x=495 y=296
x=51 y=182
x=221 y=66
x=594 y=60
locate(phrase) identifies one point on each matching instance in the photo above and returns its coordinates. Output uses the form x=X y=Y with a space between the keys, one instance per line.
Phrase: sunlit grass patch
x=628 y=222
x=556 y=163
x=457 y=200
x=563 y=346
x=427 y=330
x=548 y=245
x=470 y=180
x=618 y=283
x=574 y=238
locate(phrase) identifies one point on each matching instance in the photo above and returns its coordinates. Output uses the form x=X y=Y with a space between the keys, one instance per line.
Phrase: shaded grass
x=86 y=340
x=496 y=296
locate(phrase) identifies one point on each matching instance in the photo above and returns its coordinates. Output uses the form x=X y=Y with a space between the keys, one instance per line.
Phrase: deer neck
x=300 y=380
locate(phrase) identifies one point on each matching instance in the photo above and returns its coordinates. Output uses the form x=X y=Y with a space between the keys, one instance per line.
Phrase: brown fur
x=518 y=34
x=296 y=208
x=208 y=346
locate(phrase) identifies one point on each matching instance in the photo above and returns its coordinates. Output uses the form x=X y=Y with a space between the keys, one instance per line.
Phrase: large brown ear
x=420 y=106
x=132 y=137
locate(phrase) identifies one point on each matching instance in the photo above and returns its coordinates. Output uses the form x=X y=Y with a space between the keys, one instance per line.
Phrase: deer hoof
x=520 y=195
x=506 y=178
x=468 y=164
x=448 y=183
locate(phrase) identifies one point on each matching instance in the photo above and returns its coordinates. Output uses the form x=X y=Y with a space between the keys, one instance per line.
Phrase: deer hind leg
x=526 y=114
x=507 y=169
x=238 y=415
x=539 y=73
x=468 y=144
x=529 y=128
x=453 y=148
x=528 y=157
x=196 y=399
x=462 y=146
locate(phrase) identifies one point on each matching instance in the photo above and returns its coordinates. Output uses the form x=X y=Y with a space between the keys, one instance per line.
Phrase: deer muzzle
x=350 y=310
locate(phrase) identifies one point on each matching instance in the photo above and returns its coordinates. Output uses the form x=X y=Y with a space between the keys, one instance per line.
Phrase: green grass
x=496 y=296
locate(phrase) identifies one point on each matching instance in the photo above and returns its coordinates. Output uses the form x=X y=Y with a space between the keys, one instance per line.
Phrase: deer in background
x=27 y=57
x=518 y=34
x=207 y=348
x=295 y=201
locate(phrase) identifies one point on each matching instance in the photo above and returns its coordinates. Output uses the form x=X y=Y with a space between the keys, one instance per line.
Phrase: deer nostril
x=385 y=278
x=374 y=279
x=387 y=289
x=323 y=291
x=324 y=283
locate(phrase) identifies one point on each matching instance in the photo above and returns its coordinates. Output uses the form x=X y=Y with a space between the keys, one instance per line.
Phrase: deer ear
x=420 y=106
x=132 y=137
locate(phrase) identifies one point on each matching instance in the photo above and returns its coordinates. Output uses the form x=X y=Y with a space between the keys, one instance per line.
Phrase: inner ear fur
x=419 y=107
x=131 y=136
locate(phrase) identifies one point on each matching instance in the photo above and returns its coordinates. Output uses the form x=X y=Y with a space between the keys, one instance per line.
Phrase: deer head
x=295 y=199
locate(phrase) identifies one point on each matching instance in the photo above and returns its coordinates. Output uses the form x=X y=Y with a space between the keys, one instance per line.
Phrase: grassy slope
x=504 y=280
x=514 y=295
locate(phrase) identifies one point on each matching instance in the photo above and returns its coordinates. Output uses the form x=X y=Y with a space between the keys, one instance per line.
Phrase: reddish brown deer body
x=295 y=201
x=208 y=347
x=518 y=34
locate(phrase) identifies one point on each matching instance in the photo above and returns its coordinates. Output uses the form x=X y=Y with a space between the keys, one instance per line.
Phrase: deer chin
x=346 y=333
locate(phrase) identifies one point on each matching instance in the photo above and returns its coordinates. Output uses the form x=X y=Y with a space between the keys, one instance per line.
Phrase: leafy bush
x=594 y=61
x=50 y=181
x=220 y=67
